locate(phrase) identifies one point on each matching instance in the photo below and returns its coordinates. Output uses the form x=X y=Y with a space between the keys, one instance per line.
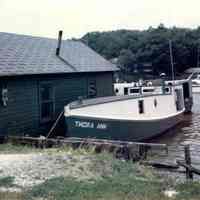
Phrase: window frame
x=50 y=101
x=125 y=90
x=94 y=82
x=141 y=109
x=3 y=87
x=134 y=90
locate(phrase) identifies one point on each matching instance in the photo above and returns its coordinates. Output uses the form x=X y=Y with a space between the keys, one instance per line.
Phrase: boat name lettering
x=84 y=124
x=101 y=126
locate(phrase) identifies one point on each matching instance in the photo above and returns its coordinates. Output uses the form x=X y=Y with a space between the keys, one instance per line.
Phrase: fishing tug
x=131 y=118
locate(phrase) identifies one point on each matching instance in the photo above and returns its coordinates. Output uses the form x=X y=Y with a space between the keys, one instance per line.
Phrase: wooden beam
x=160 y=164
x=189 y=167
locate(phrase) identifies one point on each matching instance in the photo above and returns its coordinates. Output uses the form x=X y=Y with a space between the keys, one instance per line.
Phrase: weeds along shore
x=64 y=173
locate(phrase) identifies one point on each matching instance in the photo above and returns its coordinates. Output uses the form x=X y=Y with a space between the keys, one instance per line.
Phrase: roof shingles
x=25 y=55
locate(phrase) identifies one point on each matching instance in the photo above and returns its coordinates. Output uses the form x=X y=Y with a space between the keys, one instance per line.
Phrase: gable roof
x=26 y=55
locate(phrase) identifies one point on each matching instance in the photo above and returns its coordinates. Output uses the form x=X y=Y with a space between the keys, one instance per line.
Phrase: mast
x=198 y=55
x=172 y=61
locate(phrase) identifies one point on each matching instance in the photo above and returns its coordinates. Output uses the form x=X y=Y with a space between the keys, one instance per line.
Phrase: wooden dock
x=135 y=151
x=121 y=149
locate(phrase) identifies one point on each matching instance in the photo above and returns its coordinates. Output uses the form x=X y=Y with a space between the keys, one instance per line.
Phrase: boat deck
x=95 y=101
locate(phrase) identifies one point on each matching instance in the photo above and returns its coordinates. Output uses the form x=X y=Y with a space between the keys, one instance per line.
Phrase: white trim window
x=46 y=93
x=92 y=89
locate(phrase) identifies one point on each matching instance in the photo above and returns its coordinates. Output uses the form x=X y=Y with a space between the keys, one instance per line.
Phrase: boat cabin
x=122 y=89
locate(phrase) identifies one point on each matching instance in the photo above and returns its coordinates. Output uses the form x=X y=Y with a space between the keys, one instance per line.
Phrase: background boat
x=196 y=84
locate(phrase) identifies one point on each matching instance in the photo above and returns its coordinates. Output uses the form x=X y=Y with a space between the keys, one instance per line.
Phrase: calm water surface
x=187 y=132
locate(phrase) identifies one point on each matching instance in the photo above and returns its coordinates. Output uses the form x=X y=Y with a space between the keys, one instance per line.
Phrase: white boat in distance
x=196 y=84
x=135 y=89
x=133 y=118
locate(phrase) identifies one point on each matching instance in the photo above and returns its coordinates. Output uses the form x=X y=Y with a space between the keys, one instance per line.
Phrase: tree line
x=133 y=48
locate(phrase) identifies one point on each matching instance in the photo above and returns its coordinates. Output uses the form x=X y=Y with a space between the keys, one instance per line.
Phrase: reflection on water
x=187 y=132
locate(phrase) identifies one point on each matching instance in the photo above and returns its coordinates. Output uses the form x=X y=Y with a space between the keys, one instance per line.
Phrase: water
x=187 y=132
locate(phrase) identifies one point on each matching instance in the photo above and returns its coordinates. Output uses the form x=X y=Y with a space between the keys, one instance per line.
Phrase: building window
x=92 y=89
x=3 y=94
x=141 y=106
x=46 y=102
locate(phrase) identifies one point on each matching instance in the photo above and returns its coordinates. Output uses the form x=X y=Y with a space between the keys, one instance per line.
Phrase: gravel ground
x=34 y=168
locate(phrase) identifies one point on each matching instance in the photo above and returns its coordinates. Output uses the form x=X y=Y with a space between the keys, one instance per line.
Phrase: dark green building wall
x=22 y=114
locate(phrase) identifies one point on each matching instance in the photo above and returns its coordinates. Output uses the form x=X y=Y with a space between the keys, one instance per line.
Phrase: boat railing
x=100 y=100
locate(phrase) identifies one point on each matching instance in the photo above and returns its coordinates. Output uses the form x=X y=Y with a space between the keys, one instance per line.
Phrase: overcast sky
x=77 y=17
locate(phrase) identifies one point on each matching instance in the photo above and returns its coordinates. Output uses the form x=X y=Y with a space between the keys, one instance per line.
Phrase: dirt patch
x=35 y=168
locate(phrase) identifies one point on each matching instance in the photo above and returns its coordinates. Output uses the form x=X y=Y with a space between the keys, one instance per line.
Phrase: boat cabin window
x=134 y=91
x=141 y=106
x=92 y=89
x=155 y=103
x=116 y=90
x=148 y=90
x=125 y=91
x=167 y=90
x=46 y=102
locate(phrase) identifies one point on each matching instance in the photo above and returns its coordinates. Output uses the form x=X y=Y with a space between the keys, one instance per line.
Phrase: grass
x=11 y=196
x=117 y=180
x=6 y=181
x=188 y=190
x=9 y=148
x=120 y=180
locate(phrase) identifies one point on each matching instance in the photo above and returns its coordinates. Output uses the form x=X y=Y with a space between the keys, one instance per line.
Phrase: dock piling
x=189 y=174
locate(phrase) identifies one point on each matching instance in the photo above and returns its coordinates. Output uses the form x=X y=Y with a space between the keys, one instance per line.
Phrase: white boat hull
x=122 y=118
x=125 y=130
x=196 y=89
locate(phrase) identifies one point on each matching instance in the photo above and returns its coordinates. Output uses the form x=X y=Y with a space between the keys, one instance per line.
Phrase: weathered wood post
x=189 y=174
x=143 y=149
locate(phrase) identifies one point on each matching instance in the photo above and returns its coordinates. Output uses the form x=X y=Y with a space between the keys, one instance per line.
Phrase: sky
x=77 y=17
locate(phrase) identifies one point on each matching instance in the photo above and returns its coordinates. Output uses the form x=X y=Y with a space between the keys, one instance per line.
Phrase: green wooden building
x=39 y=76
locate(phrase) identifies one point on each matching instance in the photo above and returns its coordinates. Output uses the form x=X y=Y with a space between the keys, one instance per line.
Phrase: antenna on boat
x=198 y=55
x=172 y=61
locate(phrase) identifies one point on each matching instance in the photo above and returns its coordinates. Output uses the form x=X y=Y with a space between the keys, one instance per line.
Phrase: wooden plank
x=127 y=150
x=191 y=168
x=89 y=140
x=120 y=142
x=160 y=164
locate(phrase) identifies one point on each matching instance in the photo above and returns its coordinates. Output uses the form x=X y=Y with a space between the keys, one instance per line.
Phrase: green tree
x=126 y=60
x=148 y=46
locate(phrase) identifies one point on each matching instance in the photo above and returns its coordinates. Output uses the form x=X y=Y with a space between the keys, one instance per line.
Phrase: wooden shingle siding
x=104 y=85
x=22 y=114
